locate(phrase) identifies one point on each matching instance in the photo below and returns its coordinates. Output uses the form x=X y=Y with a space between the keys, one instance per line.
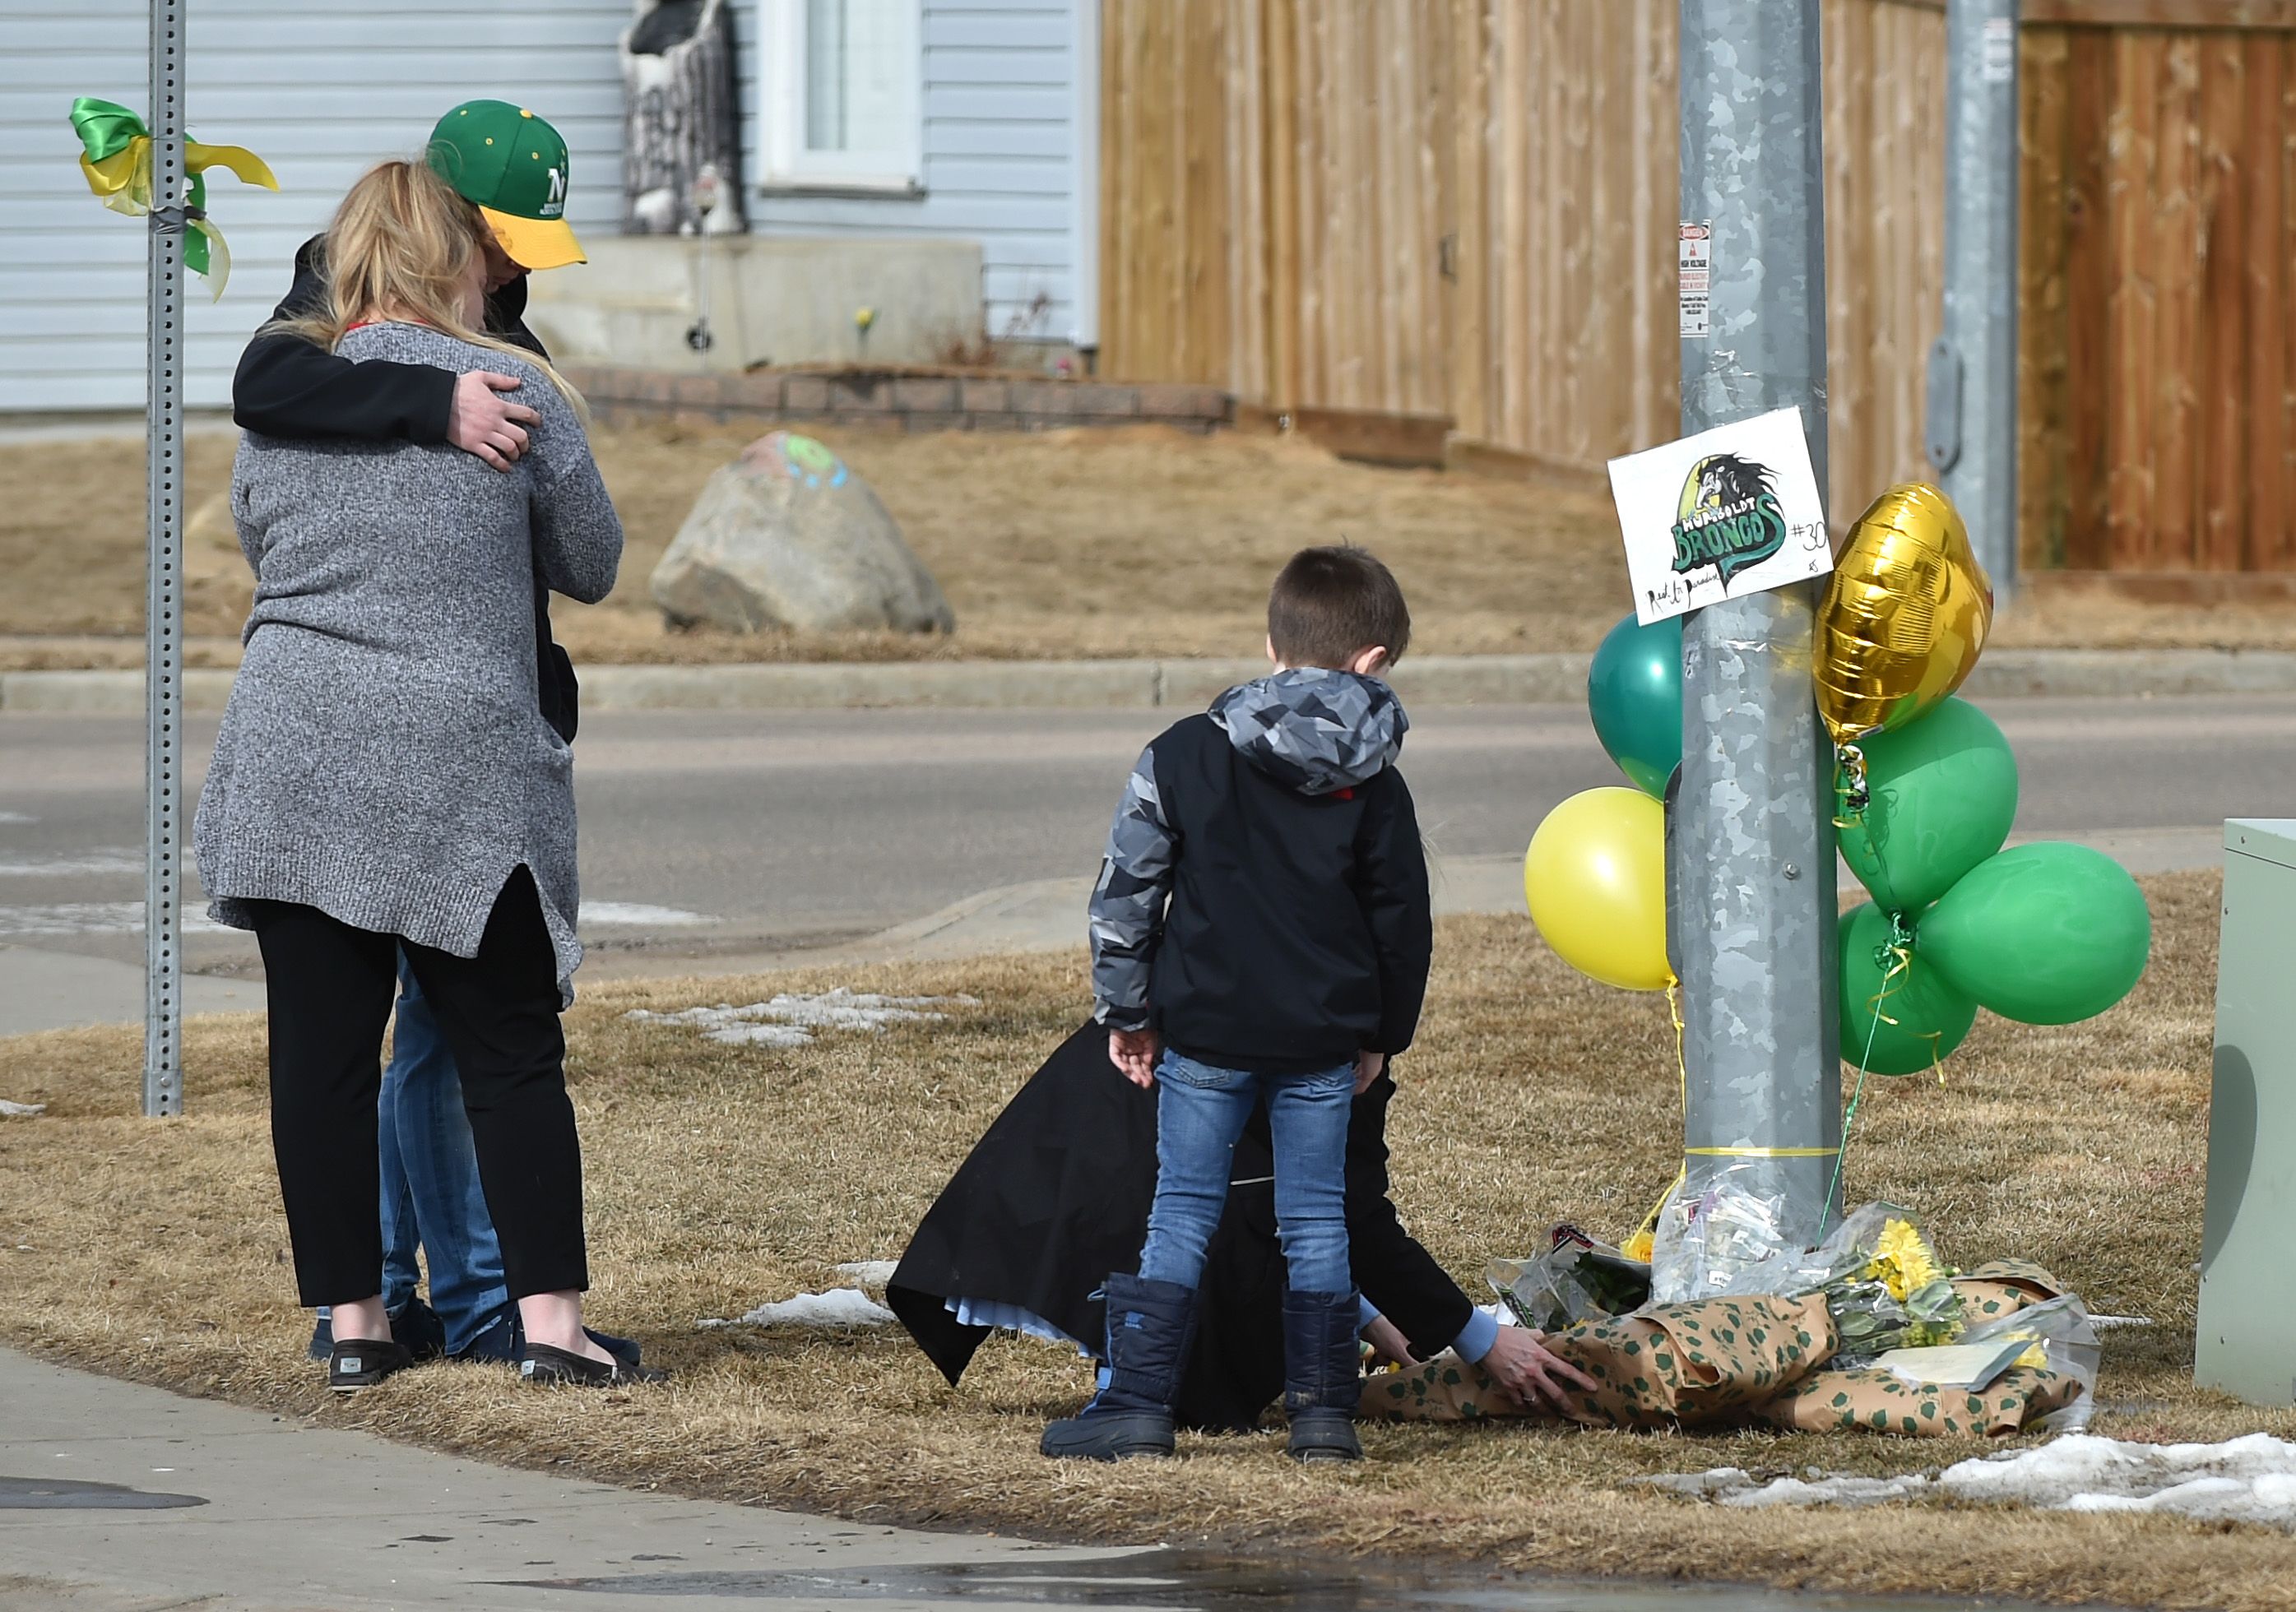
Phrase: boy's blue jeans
x=431 y=1191
x=1199 y=1112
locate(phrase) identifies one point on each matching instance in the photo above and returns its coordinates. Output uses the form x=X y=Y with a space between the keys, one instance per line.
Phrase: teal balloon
x=1944 y=794
x=1634 y=691
x=2042 y=933
x=1934 y=1015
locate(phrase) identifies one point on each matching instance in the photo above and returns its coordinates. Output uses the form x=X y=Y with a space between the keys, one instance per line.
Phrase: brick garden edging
x=903 y=401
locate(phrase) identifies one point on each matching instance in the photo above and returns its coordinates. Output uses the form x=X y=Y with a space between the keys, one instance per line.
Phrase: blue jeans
x=431 y=1191
x=1199 y=1112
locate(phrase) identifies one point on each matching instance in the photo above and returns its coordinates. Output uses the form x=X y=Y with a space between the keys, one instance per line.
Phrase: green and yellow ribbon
x=116 y=157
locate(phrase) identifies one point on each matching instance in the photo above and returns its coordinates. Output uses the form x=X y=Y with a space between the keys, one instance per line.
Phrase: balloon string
x=1681 y=1073
x=1903 y=960
x=1856 y=794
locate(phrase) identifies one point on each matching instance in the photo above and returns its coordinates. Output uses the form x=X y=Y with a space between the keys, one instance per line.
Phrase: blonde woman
x=385 y=781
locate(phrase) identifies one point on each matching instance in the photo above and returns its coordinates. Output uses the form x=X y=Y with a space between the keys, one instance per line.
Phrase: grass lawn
x=1132 y=542
x=721 y=1176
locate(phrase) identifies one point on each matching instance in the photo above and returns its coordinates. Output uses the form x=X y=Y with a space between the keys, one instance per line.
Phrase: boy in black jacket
x=1260 y=927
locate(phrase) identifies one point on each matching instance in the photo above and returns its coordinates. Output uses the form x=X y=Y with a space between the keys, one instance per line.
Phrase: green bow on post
x=116 y=157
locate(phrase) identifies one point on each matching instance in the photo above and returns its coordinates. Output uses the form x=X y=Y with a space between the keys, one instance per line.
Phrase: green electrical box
x=2247 y=1342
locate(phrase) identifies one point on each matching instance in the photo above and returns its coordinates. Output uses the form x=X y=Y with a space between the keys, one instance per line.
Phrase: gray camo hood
x=1317 y=730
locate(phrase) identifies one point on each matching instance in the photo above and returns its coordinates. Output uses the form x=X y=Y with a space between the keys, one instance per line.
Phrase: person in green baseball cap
x=513 y=166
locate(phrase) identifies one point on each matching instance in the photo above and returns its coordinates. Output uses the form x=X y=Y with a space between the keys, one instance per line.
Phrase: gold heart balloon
x=1906 y=614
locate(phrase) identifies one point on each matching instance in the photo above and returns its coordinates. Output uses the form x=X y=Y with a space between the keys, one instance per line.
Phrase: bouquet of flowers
x=1577 y=1279
x=1884 y=1286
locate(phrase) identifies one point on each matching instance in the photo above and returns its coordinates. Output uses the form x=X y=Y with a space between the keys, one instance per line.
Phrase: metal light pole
x=1752 y=840
x=1971 y=425
x=163 y=619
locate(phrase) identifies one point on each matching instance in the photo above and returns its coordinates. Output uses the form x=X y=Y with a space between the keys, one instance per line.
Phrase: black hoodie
x=1264 y=902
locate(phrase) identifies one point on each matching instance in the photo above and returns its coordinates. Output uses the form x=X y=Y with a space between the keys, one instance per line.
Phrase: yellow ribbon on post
x=116 y=159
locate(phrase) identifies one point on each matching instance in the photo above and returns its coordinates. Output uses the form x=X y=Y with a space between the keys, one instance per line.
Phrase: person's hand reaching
x=485 y=423
x=1369 y=1066
x=1134 y=1053
x=1389 y=1346
x=1520 y=1363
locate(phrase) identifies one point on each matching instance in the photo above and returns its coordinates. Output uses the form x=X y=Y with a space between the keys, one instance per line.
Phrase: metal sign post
x=1971 y=425
x=1751 y=845
x=163 y=619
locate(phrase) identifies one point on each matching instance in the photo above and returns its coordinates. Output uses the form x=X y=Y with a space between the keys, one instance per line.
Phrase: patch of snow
x=2250 y=1479
x=91 y=918
x=790 y=1020
x=124 y=859
x=868 y=1273
x=635 y=913
x=2106 y=1323
x=20 y=1110
x=840 y=1307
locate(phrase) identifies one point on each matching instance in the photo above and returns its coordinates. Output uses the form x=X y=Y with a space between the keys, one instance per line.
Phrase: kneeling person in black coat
x=1056 y=1193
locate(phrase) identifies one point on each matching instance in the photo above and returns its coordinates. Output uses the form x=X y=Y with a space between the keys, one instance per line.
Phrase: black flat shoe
x=559 y=1369
x=361 y=1362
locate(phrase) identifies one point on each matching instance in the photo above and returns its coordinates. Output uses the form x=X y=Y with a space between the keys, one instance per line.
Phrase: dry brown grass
x=720 y=1176
x=1135 y=542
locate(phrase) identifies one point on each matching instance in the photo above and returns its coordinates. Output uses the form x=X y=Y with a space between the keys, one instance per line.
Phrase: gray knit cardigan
x=383 y=757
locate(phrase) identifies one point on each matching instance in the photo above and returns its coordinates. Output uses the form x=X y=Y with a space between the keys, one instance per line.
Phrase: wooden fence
x=1466 y=209
x=2158 y=427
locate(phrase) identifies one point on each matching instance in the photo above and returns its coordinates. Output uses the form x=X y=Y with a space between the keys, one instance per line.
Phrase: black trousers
x=330 y=988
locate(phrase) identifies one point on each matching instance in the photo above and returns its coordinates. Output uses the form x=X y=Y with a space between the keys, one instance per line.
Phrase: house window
x=844 y=84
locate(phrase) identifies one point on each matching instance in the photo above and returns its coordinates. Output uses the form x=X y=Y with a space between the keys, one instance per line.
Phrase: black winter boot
x=1151 y=1325
x=1322 y=1375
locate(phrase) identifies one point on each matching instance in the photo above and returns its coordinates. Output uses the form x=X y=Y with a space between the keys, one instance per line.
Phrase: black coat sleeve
x=1401 y=1278
x=1396 y=903
x=288 y=387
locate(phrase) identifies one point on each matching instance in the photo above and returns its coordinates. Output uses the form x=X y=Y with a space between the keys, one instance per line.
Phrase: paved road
x=735 y=832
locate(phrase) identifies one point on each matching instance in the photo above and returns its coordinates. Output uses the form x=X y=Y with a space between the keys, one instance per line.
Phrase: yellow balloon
x=1595 y=878
x=1906 y=614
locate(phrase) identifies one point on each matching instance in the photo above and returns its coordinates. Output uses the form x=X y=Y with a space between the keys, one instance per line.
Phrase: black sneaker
x=558 y=1369
x=361 y=1362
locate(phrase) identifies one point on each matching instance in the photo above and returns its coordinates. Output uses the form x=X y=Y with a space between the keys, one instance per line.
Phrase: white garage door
x=319 y=90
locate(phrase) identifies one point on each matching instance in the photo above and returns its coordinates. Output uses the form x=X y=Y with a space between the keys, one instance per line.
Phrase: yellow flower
x=1639 y=1247
x=1902 y=1261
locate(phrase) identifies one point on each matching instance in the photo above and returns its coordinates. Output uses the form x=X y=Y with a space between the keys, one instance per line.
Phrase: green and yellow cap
x=512 y=165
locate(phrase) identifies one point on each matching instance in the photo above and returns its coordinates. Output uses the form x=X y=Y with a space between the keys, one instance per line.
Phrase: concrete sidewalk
x=1423 y=680
x=115 y=1497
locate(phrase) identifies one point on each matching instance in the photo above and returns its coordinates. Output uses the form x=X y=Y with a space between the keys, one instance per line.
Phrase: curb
x=1189 y=685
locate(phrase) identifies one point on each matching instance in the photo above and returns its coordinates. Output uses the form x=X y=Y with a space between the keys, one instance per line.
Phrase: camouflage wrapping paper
x=1872 y=1400
x=2002 y=1287
x=1686 y=1365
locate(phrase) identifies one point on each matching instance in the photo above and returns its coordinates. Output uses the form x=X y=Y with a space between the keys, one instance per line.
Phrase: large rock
x=787 y=535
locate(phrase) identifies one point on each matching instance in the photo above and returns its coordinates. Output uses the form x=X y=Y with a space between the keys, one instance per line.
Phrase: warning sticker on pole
x=2000 y=49
x=1697 y=265
x=1727 y=512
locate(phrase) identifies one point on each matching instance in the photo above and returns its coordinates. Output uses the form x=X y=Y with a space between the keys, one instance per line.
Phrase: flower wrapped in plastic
x=1884 y=1284
x=1577 y=1279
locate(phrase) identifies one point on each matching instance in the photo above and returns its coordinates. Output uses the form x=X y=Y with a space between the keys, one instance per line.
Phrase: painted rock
x=788 y=538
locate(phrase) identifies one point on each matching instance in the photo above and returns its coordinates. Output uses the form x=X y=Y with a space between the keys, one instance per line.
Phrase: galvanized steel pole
x=1751 y=844
x=1972 y=426
x=163 y=617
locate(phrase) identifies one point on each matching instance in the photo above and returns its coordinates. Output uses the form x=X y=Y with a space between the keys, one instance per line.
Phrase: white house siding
x=320 y=89
x=1001 y=155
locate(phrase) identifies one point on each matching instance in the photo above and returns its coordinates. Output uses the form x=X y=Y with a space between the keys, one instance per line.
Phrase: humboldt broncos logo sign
x=1720 y=514
x=1728 y=517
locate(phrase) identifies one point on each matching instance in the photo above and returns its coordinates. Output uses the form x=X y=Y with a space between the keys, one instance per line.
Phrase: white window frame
x=790 y=164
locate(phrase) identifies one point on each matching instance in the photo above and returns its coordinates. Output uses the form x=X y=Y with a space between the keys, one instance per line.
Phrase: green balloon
x=1943 y=793
x=1933 y=1016
x=2042 y=933
x=1633 y=689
